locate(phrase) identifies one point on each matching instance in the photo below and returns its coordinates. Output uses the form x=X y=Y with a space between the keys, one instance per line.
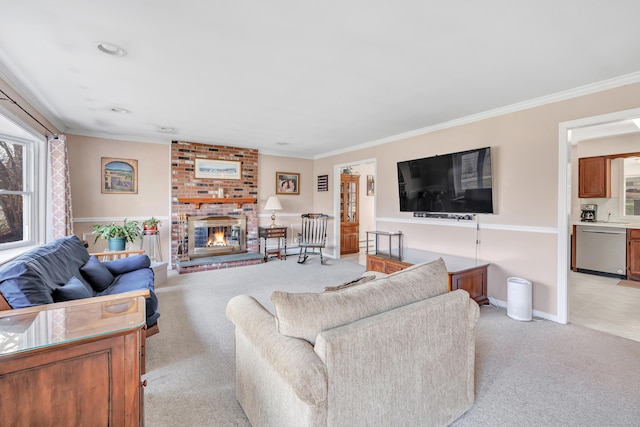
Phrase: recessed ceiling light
x=119 y=110
x=111 y=49
x=282 y=143
x=166 y=129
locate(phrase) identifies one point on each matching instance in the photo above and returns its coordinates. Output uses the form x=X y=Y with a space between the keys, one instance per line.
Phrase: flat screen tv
x=450 y=183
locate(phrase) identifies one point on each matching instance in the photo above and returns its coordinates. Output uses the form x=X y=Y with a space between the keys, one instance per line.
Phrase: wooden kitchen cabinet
x=349 y=214
x=594 y=177
x=633 y=254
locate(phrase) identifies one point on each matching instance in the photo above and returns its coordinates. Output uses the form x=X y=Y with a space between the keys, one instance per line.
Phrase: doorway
x=366 y=170
x=567 y=136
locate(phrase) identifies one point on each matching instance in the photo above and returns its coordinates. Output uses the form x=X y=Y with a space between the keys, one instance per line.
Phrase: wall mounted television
x=450 y=183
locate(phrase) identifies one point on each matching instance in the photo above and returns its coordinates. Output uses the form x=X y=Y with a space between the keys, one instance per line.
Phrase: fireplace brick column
x=184 y=184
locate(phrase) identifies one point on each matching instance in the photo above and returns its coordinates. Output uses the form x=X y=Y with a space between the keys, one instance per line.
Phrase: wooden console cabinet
x=73 y=364
x=463 y=273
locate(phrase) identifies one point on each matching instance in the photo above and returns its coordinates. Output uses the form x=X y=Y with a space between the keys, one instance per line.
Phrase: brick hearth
x=185 y=185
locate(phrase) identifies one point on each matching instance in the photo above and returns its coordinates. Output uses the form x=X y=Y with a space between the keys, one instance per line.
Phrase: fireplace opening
x=217 y=235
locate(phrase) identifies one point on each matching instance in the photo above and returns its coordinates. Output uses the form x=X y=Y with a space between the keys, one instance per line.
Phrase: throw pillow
x=98 y=276
x=358 y=281
x=73 y=289
x=127 y=264
x=305 y=315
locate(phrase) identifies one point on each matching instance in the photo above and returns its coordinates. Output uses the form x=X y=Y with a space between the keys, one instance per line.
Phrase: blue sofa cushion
x=98 y=276
x=73 y=289
x=30 y=279
x=21 y=287
x=125 y=265
x=134 y=281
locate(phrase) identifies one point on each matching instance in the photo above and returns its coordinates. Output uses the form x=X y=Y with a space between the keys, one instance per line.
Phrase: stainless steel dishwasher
x=601 y=250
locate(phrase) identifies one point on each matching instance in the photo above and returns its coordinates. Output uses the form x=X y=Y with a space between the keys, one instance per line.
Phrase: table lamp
x=273 y=205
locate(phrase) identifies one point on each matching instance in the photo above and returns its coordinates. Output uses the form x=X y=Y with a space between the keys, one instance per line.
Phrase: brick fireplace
x=238 y=201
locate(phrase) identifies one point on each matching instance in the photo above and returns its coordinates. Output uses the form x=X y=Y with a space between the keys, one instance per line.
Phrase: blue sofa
x=63 y=270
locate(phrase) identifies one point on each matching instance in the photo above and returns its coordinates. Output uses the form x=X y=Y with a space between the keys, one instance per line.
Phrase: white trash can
x=519 y=299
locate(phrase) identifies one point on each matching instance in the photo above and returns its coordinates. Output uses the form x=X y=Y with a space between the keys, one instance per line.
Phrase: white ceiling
x=303 y=78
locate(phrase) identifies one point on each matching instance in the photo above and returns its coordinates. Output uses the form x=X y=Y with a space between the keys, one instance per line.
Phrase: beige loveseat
x=397 y=350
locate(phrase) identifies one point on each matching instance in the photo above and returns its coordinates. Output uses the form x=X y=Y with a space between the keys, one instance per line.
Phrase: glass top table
x=53 y=324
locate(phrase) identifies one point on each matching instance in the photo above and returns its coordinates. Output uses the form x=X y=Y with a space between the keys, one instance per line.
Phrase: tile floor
x=599 y=303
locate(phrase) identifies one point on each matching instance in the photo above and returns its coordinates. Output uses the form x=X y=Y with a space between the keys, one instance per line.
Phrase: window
x=630 y=201
x=20 y=193
x=15 y=195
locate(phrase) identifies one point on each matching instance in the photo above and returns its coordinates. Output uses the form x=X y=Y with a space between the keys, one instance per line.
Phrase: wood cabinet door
x=93 y=384
x=633 y=254
x=349 y=238
x=473 y=281
x=594 y=177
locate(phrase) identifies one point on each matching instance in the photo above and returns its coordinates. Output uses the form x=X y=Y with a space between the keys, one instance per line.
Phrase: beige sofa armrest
x=292 y=358
x=417 y=360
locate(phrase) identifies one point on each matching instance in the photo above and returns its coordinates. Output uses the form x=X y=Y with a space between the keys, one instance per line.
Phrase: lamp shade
x=273 y=204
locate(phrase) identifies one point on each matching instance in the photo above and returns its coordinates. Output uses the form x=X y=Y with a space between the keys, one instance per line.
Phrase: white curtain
x=59 y=213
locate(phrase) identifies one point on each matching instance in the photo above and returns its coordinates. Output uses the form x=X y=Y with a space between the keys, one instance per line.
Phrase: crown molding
x=525 y=105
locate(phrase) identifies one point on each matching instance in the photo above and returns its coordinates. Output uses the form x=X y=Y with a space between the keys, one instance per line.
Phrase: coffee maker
x=588 y=213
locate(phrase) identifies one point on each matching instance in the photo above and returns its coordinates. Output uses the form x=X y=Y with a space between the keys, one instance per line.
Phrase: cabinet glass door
x=352 y=205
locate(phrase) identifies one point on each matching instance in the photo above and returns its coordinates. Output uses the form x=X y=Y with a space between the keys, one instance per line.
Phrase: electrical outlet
x=295 y=239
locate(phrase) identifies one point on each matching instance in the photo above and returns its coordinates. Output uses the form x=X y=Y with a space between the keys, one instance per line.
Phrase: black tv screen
x=451 y=183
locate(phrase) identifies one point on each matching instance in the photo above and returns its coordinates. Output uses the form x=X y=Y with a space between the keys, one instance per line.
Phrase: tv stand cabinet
x=464 y=273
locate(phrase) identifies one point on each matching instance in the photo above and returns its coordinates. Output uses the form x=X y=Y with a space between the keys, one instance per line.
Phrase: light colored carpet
x=629 y=283
x=527 y=373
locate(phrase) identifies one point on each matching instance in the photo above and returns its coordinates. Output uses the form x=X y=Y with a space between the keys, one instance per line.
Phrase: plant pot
x=150 y=230
x=117 y=244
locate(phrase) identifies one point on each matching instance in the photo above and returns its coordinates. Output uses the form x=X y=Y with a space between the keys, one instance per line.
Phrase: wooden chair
x=313 y=235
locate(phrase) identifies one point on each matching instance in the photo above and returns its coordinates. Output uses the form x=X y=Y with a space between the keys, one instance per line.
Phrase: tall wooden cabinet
x=349 y=214
x=594 y=177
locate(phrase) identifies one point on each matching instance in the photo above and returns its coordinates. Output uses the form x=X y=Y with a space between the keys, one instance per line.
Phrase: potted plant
x=117 y=236
x=151 y=225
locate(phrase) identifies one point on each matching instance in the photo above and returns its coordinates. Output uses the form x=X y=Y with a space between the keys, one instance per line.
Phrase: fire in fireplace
x=217 y=235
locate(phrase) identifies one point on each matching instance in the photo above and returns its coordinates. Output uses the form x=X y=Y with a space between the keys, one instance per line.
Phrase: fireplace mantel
x=239 y=201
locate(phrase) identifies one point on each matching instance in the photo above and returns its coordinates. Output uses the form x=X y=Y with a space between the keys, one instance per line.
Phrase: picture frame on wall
x=287 y=183
x=119 y=176
x=218 y=169
x=371 y=188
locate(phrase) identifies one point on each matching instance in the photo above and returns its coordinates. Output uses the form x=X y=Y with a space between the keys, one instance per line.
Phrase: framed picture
x=217 y=169
x=119 y=176
x=287 y=183
x=370 y=186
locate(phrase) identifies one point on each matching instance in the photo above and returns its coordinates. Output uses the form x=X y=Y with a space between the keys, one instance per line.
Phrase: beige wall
x=521 y=238
x=292 y=205
x=91 y=207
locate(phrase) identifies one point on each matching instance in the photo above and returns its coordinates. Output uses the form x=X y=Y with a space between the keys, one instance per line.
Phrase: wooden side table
x=279 y=233
x=80 y=359
x=464 y=273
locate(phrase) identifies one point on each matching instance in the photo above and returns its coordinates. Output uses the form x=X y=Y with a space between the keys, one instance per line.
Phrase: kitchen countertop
x=614 y=224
